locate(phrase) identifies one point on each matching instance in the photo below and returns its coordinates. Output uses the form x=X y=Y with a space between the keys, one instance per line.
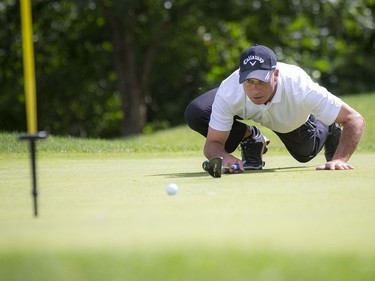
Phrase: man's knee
x=195 y=116
x=304 y=153
x=198 y=112
x=198 y=117
x=303 y=159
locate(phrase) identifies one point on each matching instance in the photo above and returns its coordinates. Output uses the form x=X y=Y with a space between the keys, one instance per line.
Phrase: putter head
x=213 y=166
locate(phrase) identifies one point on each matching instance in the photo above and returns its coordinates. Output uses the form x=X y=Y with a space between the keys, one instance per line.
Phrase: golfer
x=282 y=97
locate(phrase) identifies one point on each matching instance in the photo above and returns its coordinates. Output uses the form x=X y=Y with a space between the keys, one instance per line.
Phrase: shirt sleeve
x=323 y=105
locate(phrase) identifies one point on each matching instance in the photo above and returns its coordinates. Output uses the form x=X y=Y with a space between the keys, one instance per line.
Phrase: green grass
x=180 y=139
x=104 y=213
x=110 y=217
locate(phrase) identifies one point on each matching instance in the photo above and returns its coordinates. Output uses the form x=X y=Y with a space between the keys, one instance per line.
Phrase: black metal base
x=32 y=139
x=38 y=136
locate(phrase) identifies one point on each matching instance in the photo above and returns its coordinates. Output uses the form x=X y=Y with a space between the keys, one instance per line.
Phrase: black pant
x=304 y=143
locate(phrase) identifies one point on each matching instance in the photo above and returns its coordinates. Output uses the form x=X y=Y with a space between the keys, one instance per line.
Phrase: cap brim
x=262 y=75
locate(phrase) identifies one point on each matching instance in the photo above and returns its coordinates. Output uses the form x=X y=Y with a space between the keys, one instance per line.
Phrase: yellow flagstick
x=29 y=68
x=29 y=80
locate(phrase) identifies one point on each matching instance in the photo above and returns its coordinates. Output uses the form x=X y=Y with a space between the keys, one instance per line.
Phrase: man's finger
x=323 y=167
x=326 y=166
x=335 y=166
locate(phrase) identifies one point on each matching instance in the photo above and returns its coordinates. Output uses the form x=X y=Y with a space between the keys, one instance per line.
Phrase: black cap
x=257 y=62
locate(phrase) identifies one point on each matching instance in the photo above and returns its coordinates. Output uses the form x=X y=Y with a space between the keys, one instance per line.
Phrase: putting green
x=96 y=209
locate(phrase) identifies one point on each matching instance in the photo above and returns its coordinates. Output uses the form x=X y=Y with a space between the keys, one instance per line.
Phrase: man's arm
x=215 y=146
x=353 y=126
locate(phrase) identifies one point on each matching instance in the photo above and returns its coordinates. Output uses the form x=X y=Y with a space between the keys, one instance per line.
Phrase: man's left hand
x=335 y=165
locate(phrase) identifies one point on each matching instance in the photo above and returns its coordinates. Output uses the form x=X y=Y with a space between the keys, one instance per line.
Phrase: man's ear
x=276 y=74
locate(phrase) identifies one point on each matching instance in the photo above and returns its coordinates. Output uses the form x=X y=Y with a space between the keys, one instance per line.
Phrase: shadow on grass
x=204 y=174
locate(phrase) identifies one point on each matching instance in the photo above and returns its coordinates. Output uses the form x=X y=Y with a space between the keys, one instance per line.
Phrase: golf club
x=214 y=166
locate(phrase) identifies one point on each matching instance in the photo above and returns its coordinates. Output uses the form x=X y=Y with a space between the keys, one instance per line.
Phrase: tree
x=146 y=33
x=106 y=68
x=136 y=29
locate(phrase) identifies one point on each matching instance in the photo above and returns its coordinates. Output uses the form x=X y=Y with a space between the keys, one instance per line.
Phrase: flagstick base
x=32 y=139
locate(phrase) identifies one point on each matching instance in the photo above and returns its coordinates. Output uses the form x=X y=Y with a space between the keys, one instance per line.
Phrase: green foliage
x=179 y=49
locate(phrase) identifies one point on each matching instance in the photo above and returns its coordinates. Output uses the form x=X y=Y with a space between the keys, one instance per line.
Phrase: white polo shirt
x=296 y=97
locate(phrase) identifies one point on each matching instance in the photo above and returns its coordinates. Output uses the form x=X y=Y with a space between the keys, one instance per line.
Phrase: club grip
x=235 y=167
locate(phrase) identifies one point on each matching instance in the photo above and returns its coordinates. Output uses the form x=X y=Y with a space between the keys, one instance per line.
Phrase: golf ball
x=172 y=189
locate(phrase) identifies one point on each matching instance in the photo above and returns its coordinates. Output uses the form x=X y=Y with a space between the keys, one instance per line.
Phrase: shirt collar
x=277 y=97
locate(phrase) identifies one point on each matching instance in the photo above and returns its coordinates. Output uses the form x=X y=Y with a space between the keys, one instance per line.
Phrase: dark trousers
x=304 y=143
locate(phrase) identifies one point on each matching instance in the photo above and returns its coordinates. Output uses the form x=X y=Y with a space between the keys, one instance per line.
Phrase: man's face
x=260 y=92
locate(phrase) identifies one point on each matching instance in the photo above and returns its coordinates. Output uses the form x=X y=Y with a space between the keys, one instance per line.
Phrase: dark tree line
x=107 y=68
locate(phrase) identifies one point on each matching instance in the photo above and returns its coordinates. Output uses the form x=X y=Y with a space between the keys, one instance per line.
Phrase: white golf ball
x=172 y=189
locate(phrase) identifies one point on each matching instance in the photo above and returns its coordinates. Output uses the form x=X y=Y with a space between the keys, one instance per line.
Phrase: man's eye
x=255 y=82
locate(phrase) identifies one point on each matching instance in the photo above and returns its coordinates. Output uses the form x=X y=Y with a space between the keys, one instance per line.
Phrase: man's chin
x=258 y=101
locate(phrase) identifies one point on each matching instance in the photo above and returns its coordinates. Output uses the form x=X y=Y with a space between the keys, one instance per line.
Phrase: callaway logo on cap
x=258 y=62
